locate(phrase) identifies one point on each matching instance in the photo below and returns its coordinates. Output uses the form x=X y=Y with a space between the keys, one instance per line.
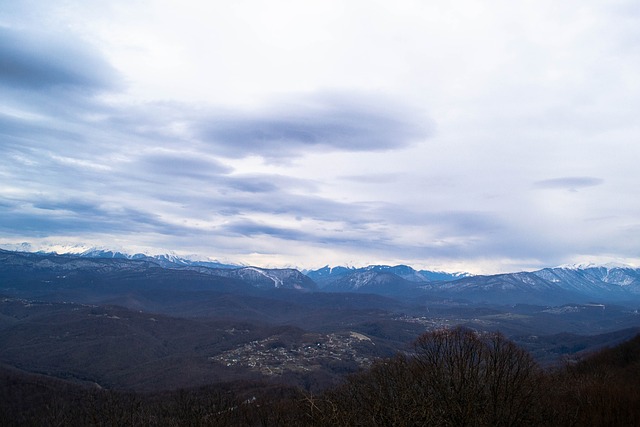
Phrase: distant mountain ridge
x=263 y=278
x=549 y=286
x=15 y=264
x=327 y=275
x=168 y=260
x=165 y=260
x=559 y=285
x=259 y=277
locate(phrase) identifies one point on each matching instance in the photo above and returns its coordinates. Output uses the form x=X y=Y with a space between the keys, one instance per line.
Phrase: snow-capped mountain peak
x=588 y=265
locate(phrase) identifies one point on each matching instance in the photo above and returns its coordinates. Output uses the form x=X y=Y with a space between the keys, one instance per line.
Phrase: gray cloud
x=73 y=207
x=269 y=183
x=73 y=161
x=181 y=165
x=311 y=207
x=251 y=229
x=77 y=218
x=248 y=228
x=332 y=122
x=36 y=61
x=372 y=178
x=572 y=183
x=252 y=185
x=19 y=129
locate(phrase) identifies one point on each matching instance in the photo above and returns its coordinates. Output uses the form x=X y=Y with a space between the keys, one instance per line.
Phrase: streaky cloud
x=571 y=183
x=334 y=122
x=78 y=218
x=254 y=229
x=251 y=228
x=181 y=165
x=35 y=61
x=372 y=178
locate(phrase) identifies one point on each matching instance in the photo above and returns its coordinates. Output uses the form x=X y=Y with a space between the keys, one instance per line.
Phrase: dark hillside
x=601 y=389
x=452 y=377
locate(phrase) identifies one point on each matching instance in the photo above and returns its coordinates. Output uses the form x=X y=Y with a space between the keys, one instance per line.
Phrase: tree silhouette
x=454 y=377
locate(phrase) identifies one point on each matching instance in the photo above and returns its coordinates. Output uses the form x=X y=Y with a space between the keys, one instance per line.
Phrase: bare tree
x=512 y=382
x=455 y=377
x=450 y=366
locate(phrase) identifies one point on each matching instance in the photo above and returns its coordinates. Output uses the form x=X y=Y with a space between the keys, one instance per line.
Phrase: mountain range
x=549 y=286
x=149 y=323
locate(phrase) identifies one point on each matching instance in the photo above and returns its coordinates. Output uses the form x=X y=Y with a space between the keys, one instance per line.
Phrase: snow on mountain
x=587 y=282
x=328 y=275
x=167 y=260
x=42 y=261
x=17 y=247
x=588 y=265
x=371 y=281
x=546 y=286
x=604 y=280
x=273 y=278
x=47 y=248
x=100 y=262
x=611 y=284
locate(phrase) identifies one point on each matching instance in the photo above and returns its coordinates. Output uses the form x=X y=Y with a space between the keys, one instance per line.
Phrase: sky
x=484 y=137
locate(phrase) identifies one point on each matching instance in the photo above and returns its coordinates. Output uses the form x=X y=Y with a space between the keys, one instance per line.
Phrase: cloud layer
x=41 y=60
x=342 y=122
x=462 y=136
x=571 y=183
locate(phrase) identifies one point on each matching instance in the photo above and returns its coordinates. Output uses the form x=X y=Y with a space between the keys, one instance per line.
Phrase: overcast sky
x=480 y=136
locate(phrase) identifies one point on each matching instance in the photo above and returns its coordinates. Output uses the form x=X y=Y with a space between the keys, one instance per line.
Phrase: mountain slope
x=603 y=282
x=107 y=271
x=550 y=286
x=70 y=271
x=164 y=260
x=371 y=281
x=260 y=277
x=283 y=278
x=331 y=276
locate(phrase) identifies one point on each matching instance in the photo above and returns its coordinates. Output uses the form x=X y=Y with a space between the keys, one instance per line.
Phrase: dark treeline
x=453 y=377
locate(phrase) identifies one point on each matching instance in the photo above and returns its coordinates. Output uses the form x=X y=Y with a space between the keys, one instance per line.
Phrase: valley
x=146 y=325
